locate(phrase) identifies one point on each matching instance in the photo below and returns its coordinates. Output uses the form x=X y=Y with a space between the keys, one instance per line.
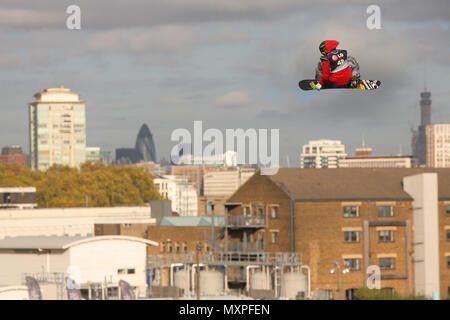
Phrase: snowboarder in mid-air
x=337 y=70
x=335 y=67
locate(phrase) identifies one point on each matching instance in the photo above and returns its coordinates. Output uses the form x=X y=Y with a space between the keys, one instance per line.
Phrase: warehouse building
x=396 y=219
x=98 y=262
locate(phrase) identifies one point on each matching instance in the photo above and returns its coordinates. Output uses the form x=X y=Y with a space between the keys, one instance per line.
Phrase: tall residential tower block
x=57 y=129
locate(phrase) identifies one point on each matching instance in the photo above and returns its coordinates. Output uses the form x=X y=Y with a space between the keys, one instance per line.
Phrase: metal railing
x=243 y=247
x=226 y=258
x=246 y=221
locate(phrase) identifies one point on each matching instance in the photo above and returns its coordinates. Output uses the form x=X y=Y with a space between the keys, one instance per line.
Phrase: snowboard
x=309 y=84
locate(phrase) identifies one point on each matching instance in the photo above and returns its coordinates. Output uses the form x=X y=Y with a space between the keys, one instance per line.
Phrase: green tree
x=62 y=186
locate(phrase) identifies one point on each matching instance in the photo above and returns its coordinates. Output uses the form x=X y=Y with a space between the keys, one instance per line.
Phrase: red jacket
x=339 y=78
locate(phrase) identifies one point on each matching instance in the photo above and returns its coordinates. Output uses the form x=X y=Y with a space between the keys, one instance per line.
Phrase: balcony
x=238 y=222
x=242 y=247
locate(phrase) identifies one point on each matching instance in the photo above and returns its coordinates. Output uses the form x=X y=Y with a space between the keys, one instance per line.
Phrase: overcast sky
x=230 y=63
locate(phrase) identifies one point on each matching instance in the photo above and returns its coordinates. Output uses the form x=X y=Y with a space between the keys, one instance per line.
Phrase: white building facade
x=377 y=162
x=225 y=182
x=438 y=145
x=67 y=221
x=182 y=194
x=322 y=154
x=103 y=260
x=57 y=129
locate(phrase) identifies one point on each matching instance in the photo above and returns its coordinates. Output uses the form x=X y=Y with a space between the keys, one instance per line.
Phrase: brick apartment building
x=13 y=155
x=358 y=217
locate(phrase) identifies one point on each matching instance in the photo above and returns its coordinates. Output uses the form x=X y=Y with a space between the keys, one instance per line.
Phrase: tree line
x=63 y=187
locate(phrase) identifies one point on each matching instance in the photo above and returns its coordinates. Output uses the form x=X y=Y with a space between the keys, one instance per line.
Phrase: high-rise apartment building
x=57 y=129
x=322 y=154
x=438 y=145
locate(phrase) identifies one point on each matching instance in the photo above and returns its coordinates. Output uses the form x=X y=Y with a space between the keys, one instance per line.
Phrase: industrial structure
x=98 y=262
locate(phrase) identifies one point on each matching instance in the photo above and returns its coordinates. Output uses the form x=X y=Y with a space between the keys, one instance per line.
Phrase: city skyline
x=231 y=66
x=363 y=142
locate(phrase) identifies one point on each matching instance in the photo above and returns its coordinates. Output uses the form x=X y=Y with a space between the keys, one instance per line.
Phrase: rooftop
x=354 y=183
x=59 y=242
x=195 y=221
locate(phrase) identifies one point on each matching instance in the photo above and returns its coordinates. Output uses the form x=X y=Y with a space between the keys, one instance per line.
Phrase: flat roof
x=60 y=242
x=193 y=221
x=18 y=189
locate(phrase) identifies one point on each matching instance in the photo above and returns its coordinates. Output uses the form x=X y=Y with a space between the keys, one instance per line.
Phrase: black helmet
x=322 y=48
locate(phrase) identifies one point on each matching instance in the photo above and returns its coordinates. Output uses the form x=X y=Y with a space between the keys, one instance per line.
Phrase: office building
x=93 y=154
x=57 y=129
x=438 y=145
x=363 y=158
x=180 y=191
x=106 y=158
x=322 y=154
x=418 y=146
x=144 y=150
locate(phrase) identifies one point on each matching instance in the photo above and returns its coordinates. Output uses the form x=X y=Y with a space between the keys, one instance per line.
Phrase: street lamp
x=337 y=267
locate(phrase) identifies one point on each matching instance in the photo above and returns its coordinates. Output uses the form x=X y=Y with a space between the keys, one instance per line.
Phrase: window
x=386 y=263
x=352 y=264
x=275 y=237
x=448 y=262
x=274 y=212
x=386 y=236
x=177 y=247
x=184 y=247
x=247 y=211
x=260 y=240
x=351 y=211
x=447 y=210
x=385 y=211
x=126 y=271
x=448 y=234
x=351 y=236
x=260 y=212
x=350 y=294
x=7 y=197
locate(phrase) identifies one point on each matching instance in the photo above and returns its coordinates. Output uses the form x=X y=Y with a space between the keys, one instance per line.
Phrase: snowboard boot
x=354 y=82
